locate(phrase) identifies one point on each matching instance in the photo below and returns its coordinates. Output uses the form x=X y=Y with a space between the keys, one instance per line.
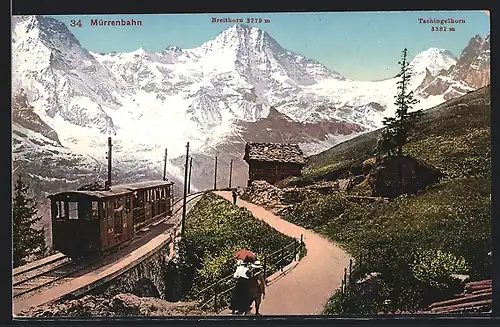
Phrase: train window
x=95 y=209
x=72 y=210
x=127 y=204
x=157 y=192
x=54 y=209
x=84 y=210
x=62 y=210
x=104 y=210
x=110 y=208
x=118 y=222
x=59 y=210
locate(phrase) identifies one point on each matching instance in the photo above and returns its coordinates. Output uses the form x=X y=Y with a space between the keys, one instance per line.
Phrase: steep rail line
x=63 y=269
x=62 y=273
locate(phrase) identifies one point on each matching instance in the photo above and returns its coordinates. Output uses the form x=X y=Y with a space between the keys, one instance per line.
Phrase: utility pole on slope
x=165 y=167
x=215 y=174
x=183 y=228
x=230 y=172
x=110 y=161
x=189 y=179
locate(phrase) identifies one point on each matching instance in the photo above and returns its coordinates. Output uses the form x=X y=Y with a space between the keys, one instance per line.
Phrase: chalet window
x=72 y=210
x=127 y=204
x=95 y=209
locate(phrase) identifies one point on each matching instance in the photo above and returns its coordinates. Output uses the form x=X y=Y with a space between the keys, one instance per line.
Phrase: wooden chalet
x=273 y=162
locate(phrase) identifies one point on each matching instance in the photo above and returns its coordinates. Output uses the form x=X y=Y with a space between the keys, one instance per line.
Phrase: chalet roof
x=274 y=152
x=117 y=189
x=477 y=296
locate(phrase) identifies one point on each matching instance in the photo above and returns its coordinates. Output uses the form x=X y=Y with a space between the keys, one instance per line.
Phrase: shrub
x=436 y=267
x=454 y=216
x=215 y=231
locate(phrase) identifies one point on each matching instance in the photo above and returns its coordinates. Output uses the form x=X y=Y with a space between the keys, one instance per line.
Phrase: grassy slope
x=217 y=229
x=442 y=140
x=454 y=216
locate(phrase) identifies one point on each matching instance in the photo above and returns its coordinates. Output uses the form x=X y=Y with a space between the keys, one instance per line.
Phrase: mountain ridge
x=212 y=96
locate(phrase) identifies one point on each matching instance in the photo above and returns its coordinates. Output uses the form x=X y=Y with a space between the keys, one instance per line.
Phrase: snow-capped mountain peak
x=152 y=100
x=434 y=59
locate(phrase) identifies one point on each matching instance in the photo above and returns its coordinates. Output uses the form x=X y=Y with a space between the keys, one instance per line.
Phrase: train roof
x=149 y=184
x=117 y=189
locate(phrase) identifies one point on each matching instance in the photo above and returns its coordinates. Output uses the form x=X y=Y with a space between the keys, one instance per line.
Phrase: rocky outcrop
x=120 y=305
x=23 y=114
x=394 y=176
x=265 y=194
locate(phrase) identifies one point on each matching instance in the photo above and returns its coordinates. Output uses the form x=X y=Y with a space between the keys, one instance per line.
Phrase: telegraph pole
x=165 y=167
x=185 y=191
x=230 y=172
x=110 y=146
x=215 y=174
x=190 y=169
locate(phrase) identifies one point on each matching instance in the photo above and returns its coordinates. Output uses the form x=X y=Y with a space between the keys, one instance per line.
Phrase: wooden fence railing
x=218 y=293
x=348 y=284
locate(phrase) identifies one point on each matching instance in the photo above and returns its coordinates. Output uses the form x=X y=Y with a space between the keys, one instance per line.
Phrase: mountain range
x=241 y=86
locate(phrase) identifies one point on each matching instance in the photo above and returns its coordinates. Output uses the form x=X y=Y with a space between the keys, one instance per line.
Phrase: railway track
x=29 y=274
x=62 y=269
x=62 y=273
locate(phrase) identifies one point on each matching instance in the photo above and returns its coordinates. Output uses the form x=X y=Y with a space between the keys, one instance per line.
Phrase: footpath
x=306 y=288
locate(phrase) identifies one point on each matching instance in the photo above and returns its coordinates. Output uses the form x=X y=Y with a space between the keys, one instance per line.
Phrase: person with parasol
x=241 y=299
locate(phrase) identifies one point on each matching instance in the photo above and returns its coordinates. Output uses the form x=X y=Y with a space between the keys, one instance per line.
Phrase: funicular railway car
x=92 y=221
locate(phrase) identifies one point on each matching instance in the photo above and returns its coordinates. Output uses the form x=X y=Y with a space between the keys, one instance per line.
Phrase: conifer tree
x=397 y=129
x=28 y=241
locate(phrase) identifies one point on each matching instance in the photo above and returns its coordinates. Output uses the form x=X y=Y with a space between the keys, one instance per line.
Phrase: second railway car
x=92 y=221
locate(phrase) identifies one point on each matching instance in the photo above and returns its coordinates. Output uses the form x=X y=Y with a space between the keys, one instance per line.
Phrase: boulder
x=368 y=165
x=344 y=184
x=357 y=180
x=395 y=176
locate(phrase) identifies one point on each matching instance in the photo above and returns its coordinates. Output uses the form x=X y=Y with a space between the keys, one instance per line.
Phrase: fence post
x=295 y=251
x=301 y=244
x=342 y=290
x=265 y=267
x=350 y=274
x=282 y=255
x=345 y=279
x=216 y=290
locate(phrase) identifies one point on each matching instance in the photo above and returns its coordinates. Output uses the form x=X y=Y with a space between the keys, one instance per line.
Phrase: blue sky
x=358 y=45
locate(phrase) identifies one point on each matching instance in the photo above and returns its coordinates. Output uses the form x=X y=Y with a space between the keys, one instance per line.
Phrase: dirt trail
x=305 y=289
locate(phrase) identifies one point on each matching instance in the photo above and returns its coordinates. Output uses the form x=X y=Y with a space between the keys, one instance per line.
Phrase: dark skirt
x=241 y=299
